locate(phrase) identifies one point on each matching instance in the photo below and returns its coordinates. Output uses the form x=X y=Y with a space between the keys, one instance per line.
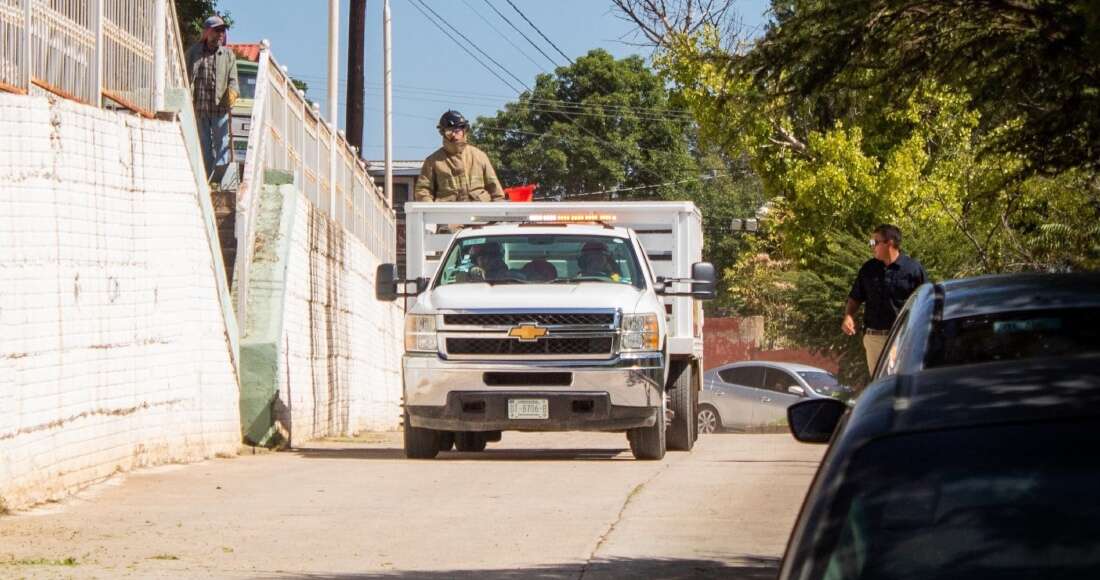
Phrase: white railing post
x=97 y=65
x=387 y=78
x=28 y=44
x=333 y=98
x=160 y=53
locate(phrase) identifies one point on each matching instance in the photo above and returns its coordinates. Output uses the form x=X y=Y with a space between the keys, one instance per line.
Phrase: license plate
x=528 y=409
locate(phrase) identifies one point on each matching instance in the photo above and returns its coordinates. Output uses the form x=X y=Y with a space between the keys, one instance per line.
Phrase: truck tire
x=682 y=398
x=648 y=443
x=493 y=436
x=420 y=443
x=446 y=440
x=470 y=441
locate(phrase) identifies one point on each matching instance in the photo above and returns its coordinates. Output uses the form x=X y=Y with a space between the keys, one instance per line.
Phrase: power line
x=475 y=99
x=524 y=16
x=474 y=44
x=559 y=137
x=641 y=187
x=502 y=35
x=463 y=47
x=520 y=32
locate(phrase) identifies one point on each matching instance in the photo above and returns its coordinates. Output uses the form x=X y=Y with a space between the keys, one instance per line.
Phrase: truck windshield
x=541 y=259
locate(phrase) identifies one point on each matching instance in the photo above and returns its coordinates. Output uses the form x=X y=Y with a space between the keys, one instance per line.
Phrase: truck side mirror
x=387 y=286
x=703 y=285
x=385 y=283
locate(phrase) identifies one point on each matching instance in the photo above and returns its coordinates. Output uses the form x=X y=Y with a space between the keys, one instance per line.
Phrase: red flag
x=521 y=192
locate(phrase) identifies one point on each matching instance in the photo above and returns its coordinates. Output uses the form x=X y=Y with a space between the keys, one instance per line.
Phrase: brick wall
x=114 y=348
x=342 y=366
x=727 y=340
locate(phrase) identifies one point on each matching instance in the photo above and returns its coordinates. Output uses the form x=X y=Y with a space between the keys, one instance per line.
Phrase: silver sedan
x=756 y=394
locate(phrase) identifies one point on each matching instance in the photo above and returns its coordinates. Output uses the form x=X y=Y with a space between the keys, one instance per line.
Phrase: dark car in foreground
x=972 y=454
x=993 y=318
x=972 y=471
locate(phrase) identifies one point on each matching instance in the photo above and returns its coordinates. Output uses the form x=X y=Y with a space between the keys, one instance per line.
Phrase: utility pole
x=357 y=19
x=387 y=79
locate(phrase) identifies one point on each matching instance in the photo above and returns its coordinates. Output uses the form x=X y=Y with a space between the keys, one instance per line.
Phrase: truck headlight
x=420 y=333
x=640 y=333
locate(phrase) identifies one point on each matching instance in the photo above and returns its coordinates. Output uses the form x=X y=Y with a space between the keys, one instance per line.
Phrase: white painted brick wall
x=113 y=350
x=341 y=367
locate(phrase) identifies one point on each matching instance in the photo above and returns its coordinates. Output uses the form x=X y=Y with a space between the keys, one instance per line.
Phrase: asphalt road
x=544 y=506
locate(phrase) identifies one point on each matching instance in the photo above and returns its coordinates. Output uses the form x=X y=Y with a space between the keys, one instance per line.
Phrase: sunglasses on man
x=874 y=243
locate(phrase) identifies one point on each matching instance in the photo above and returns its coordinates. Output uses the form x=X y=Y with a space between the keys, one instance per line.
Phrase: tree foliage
x=872 y=115
x=598 y=125
x=191 y=13
x=608 y=128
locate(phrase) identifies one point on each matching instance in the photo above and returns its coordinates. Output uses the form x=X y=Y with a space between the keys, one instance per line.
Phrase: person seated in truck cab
x=595 y=260
x=488 y=260
x=539 y=270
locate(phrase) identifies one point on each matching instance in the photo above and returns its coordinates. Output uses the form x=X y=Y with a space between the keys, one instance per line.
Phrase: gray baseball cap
x=213 y=22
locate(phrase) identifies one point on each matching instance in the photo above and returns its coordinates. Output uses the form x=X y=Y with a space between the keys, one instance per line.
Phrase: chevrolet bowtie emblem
x=528 y=332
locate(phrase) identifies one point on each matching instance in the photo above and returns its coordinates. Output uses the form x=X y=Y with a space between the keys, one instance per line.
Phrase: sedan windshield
x=999 y=502
x=541 y=259
x=822 y=382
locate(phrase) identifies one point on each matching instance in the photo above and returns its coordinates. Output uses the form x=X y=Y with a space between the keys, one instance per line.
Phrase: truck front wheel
x=649 y=442
x=420 y=443
x=682 y=398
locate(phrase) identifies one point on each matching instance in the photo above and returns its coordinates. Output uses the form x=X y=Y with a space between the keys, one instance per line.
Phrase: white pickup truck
x=551 y=317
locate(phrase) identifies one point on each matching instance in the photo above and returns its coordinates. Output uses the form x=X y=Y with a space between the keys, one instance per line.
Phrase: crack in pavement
x=634 y=492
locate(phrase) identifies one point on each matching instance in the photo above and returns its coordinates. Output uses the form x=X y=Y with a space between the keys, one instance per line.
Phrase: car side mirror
x=796 y=390
x=703 y=281
x=387 y=286
x=815 y=420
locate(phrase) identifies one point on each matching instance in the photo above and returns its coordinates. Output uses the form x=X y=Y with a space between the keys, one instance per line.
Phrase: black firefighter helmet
x=452 y=120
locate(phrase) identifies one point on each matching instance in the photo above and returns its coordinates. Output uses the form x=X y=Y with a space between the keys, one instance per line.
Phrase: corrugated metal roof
x=247 y=51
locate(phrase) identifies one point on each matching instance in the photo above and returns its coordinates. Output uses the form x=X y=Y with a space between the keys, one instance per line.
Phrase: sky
x=431 y=73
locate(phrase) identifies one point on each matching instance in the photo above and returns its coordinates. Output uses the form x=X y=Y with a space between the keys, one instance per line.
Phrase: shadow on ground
x=747 y=568
x=490 y=454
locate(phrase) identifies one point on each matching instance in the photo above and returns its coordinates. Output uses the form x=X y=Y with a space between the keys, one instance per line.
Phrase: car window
x=749 y=376
x=990 y=502
x=1014 y=335
x=779 y=380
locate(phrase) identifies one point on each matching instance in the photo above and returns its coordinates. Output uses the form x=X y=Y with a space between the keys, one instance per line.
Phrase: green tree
x=598 y=125
x=1030 y=67
x=191 y=13
x=842 y=147
x=608 y=125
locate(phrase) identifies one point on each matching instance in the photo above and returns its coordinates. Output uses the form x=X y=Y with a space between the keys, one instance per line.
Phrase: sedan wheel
x=708 y=420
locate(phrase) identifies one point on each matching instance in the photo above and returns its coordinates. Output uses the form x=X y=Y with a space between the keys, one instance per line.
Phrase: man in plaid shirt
x=213 y=71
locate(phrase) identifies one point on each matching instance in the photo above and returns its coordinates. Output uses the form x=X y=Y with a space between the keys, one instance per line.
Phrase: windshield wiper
x=505 y=281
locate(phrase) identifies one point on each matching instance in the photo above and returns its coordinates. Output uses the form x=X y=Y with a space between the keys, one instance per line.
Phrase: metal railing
x=123 y=53
x=289 y=134
x=85 y=50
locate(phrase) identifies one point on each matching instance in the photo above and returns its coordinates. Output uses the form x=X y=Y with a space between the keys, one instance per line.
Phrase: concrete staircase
x=225 y=212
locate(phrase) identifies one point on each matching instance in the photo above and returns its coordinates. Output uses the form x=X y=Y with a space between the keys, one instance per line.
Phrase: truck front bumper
x=617 y=394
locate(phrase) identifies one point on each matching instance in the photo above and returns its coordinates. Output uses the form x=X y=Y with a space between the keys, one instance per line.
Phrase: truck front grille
x=541 y=318
x=545 y=346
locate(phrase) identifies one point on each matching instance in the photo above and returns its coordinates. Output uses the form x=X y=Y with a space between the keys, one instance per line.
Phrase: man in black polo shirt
x=884 y=283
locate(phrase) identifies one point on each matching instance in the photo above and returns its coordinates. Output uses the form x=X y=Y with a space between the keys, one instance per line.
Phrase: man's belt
x=875 y=332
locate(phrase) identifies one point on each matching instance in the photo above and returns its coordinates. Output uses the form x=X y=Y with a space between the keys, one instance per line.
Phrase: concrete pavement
x=573 y=505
